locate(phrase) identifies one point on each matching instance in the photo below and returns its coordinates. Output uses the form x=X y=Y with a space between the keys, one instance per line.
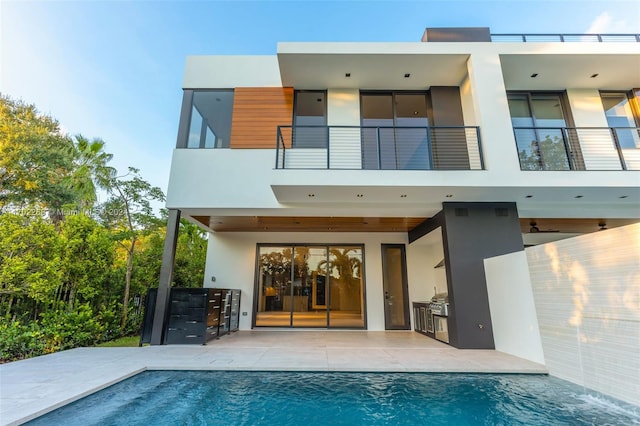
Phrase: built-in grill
x=440 y=304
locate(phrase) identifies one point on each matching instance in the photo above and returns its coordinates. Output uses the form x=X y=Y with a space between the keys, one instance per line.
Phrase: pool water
x=302 y=398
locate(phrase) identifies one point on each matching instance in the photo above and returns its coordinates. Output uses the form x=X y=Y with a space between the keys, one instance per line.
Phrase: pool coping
x=33 y=387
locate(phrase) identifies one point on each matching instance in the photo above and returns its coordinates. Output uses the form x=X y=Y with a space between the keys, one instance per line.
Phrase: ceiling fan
x=534 y=228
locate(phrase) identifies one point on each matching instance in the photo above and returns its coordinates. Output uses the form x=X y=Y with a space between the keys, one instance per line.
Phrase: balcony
x=379 y=148
x=578 y=148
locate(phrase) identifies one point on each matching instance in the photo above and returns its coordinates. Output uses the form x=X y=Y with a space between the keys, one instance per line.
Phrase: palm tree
x=347 y=266
x=91 y=171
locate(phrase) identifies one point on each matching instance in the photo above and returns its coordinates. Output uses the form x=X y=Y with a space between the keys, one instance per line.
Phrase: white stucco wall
x=587 y=296
x=492 y=114
x=513 y=311
x=227 y=71
x=231 y=259
x=598 y=149
x=343 y=109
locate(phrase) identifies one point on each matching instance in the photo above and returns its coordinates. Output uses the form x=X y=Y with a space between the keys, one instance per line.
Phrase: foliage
x=36 y=159
x=71 y=270
x=129 y=215
x=546 y=154
x=29 y=259
x=87 y=256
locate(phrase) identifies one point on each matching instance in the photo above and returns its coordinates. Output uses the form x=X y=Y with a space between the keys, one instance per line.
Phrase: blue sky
x=113 y=69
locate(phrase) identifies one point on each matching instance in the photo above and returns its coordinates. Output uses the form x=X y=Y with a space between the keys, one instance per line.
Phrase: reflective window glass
x=211 y=113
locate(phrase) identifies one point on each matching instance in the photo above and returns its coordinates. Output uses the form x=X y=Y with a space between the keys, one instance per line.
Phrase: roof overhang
x=566 y=71
x=369 y=65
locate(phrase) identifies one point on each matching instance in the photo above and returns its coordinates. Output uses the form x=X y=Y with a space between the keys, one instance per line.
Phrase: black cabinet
x=422 y=318
x=197 y=315
x=234 y=320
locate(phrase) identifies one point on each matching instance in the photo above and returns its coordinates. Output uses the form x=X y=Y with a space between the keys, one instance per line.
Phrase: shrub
x=66 y=330
x=19 y=341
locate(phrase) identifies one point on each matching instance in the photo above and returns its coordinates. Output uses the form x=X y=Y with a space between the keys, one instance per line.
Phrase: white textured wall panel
x=513 y=311
x=587 y=295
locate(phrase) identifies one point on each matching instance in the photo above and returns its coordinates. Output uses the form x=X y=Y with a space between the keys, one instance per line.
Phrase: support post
x=166 y=275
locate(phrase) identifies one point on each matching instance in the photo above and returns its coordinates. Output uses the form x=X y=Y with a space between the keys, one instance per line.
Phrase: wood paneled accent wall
x=257 y=112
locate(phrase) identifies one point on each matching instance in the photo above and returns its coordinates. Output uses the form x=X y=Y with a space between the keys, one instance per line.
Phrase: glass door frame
x=394 y=125
x=327 y=326
x=405 y=287
x=572 y=148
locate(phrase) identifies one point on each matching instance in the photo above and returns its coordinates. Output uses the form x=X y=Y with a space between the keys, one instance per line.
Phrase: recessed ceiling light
x=623 y=196
x=319 y=100
x=348 y=74
x=311 y=195
x=594 y=75
x=449 y=195
x=529 y=196
x=360 y=195
x=218 y=99
x=534 y=75
x=407 y=75
x=579 y=196
x=403 y=196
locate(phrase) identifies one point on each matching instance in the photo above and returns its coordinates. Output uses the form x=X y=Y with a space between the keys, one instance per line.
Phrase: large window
x=539 y=124
x=310 y=119
x=394 y=130
x=210 y=119
x=620 y=116
x=310 y=286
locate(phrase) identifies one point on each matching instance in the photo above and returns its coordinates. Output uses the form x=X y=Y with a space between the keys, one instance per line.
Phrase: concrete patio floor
x=35 y=386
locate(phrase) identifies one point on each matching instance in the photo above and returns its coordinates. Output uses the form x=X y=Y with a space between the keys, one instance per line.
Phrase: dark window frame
x=186 y=112
x=256 y=281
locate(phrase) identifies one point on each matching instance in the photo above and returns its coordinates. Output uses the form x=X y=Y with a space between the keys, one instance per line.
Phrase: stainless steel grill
x=440 y=304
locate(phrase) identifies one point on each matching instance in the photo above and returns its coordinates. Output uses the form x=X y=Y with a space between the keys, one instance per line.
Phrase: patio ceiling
x=308 y=224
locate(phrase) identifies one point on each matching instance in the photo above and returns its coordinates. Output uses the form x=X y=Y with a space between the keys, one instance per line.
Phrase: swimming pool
x=300 y=398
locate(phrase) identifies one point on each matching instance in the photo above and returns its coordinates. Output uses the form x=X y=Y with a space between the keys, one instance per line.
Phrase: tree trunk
x=72 y=295
x=8 y=315
x=127 y=282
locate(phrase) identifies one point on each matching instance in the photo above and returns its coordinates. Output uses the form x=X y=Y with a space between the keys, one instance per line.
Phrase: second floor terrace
x=570 y=130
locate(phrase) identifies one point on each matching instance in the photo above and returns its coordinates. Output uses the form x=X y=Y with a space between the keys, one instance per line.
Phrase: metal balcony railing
x=569 y=38
x=379 y=148
x=578 y=148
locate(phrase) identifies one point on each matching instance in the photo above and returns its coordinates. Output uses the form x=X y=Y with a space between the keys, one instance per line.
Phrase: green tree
x=547 y=154
x=91 y=170
x=87 y=257
x=191 y=255
x=36 y=160
x=128 y=213
x=29 y=263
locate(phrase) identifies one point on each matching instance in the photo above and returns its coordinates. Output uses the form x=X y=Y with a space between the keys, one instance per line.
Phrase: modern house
x=340 y=182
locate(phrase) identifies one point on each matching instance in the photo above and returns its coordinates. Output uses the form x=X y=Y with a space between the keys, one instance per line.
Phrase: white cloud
x=605 y=24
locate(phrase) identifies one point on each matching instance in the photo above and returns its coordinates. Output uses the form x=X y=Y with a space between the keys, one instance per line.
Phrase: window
x=310 y=286
x=210 y=123
x=620 y=117
x=540 y=128
x=395 y=130
x=310 y=119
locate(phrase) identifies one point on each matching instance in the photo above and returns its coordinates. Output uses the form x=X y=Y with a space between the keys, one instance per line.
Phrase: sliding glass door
x=309 y=286
x=394 y=131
